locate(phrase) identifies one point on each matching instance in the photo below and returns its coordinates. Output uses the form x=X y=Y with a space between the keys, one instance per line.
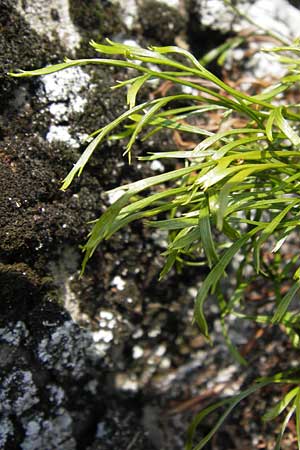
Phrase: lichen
x=6 y=430
x=18 y=392
x=52 y=433
x=64 y=349
x=14 y=333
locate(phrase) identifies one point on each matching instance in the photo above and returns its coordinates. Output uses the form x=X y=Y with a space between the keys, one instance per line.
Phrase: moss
x=87 y=14
x=20 y=46
x=35 y=216
x=96 y=20
x=20 y=287
x=160 y=22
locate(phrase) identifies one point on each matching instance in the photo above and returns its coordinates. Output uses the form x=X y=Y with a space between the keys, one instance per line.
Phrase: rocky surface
x=281 y=16
x=111 y=360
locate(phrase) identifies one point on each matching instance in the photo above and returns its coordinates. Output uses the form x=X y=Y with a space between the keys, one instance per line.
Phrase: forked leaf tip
x=16 y=74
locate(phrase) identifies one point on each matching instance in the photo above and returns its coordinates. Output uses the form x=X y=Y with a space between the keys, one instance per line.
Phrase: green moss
x=20 y=287
x=95 y=20
x=160 y=22
x=87 y=14
x=21 y=46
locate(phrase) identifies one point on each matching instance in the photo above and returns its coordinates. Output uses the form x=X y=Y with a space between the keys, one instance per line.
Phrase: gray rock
x=278 y=16
x=51 y=19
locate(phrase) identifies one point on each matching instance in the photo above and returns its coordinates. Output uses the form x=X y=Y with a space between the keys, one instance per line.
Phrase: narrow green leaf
x=270 y=228
x=46 y=70
x=271 y=92
x=102 y=227
x=269 y=125
x=170 y=261
x=276 y=410
x=174 y=224
x=283 y=428
x=237 y=143
x=214 y=276
x=230 y=185
x=134 y=88
x=285 y=302
x=233 y=402
x=206 y=236
x=199 y=418
x=284 y=126
x=219 y=136
x=231 y=346
x=185 y=238
x=79 y=166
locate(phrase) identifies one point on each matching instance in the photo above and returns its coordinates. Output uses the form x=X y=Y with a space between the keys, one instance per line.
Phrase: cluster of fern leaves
x=236 y=192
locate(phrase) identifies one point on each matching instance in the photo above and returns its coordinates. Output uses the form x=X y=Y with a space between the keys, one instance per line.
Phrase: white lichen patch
x=65 y=86
x=107 y=315
x=137 y=334
x=101 y=430
x=65 y=349
x=56 y=394
x=277 y=15
x=61 y=92
x=160 y=350
x=51 y=19
x=14 y=333
x=165 y=363
x=18 y=393
x=6 y=430
x=99 y=349
x=61 y=133
x=59 y=111
x=64 y=271
x=264 y=66
x=225 y=375
x=52 y=433
x=214 y=13
x=92 y=386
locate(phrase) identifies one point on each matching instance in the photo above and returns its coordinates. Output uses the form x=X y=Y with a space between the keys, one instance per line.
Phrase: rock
x=161 y=21
x=277 y=16
x=51 y=19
